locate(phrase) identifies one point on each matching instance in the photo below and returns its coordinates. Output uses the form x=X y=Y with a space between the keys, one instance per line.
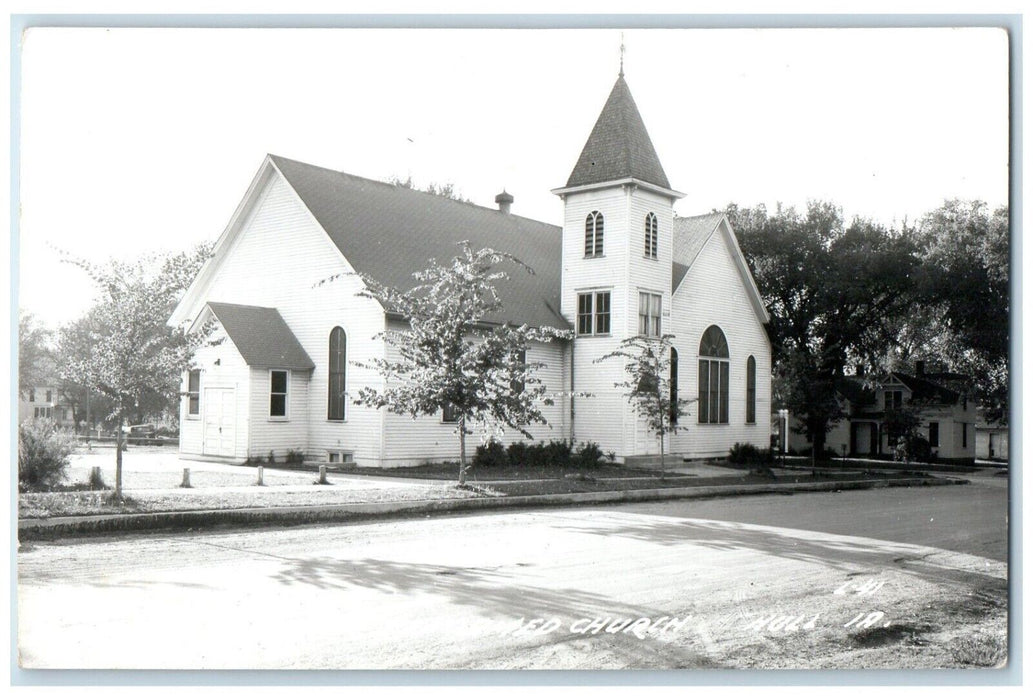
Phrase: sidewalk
x=308 y=513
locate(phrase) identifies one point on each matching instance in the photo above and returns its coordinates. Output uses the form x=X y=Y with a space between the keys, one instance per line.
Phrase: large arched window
x=337 y=368
x=674 y=387
x=751 y=390
x=651 y=236
x=713 y=377
x=593 y=235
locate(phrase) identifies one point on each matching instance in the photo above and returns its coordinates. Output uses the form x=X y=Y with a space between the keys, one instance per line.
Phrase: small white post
x=322 y=474
x=186 y=478
x=261 y=470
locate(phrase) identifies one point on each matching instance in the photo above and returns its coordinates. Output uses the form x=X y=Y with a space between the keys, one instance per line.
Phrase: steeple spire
x=619 y=146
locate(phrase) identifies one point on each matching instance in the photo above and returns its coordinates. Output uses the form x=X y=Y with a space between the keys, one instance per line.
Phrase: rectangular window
x=194 y=393
x=893 y=399
x=50 y=396
x=649 y=314
x=602 y=313
x=934 y=434
x=518 y=386
x=449 y=414
x=278 y=393
x=584 y=314
x=333 y=457
x=964 y=434
x=593 y=313
x=43 y=412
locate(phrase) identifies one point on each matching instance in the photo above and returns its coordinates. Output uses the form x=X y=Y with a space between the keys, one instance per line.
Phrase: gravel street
x=735 y=583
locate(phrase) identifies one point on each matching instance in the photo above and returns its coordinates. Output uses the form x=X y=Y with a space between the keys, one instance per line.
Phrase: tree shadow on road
x=492 y=590
x=839 y=552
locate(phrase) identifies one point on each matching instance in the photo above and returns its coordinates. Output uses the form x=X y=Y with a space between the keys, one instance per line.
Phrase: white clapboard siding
x=409 y=441
x=221 y=367
x=713 y=292
x=604 y=415
x=278 y=260
x=275 y=434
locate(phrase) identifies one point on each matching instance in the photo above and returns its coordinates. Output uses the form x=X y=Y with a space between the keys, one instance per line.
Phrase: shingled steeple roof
x=619 y=146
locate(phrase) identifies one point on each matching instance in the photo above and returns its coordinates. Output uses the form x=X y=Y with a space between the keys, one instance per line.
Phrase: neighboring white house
x=991 y=439
x=947 y=417
x=45 y=402
x=622 y=264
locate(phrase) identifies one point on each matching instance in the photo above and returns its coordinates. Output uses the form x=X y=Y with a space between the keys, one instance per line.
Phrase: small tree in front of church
x=448 y=359
x=648 y=385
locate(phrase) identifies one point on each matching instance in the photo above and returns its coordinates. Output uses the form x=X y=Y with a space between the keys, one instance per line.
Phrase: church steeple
x=619 y=146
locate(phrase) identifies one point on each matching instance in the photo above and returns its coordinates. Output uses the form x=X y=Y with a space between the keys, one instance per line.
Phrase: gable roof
x=690 y=235
x=619 y=146
x=389 y=232
x=855 y=391
x=923 y=389
x=261 y=336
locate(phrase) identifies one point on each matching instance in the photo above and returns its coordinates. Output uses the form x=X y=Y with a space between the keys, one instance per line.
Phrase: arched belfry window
x=593 y=235
x=751 y=390
x=338 y=372
x=713 y=377
x=651 y=236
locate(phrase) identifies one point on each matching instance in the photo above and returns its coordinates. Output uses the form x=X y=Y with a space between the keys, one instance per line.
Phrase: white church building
x=622 y=264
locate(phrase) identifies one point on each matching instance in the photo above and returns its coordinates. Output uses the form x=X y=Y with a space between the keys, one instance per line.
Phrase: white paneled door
x=220 y=412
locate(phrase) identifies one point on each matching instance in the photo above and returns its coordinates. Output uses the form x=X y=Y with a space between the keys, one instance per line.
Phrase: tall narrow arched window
x=651 y=236
x=751 y=390
x=593 y=235
x=337 y=368
x=674 y=387
x=713 y=377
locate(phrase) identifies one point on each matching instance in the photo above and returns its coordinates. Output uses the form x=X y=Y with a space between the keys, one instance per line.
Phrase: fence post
x=186 y=478
x=94 y=475
x=261 y=481
x=322 y=474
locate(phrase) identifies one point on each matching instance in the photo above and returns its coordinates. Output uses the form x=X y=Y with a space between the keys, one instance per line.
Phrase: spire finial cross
x=622 y=55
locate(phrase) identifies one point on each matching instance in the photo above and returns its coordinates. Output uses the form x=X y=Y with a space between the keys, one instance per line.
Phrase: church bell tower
x=616 y=276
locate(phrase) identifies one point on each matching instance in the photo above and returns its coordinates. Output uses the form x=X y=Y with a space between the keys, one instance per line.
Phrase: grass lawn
x=151 y=485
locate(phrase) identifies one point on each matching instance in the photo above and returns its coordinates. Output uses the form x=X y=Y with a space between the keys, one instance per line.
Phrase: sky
x=143 y=140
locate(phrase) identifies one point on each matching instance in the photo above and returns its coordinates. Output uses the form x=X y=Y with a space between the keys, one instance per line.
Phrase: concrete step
x=653 y=461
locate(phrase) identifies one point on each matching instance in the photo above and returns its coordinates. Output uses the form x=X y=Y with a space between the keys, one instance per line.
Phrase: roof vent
x=504 y=200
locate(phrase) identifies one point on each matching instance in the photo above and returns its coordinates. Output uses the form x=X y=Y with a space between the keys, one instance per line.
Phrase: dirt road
x=594 y=589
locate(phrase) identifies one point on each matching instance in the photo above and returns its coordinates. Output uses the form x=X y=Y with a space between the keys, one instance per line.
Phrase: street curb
x=45 y=528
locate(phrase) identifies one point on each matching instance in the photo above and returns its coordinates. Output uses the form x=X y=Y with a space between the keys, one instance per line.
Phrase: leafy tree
x=647 y=384
x=448 y=358
x=447 y=190
x=136 y=360
x=35 y=356
x=75 y=344
x=902 y=425
x=966 y=288
x=836 y=295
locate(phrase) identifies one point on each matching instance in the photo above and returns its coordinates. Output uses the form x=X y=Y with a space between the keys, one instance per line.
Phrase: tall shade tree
x=448 y=358
x=648 y=386
x=836 y=295
x=965 y=250
x=136 y=358
x=35 y=356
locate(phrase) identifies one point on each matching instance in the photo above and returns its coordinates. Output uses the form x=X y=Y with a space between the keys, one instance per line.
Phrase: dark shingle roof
x=854 y=390
x=261 y=336
x=389 y=232
x=923 y=389
x=619 y=146
x=690 y=234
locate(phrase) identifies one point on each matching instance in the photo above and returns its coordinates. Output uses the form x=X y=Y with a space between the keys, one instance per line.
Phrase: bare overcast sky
x=141 y=139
